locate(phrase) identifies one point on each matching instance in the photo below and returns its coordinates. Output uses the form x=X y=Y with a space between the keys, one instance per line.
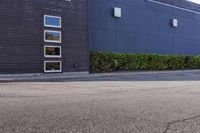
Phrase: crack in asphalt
x=2 y=96
x=179 y=121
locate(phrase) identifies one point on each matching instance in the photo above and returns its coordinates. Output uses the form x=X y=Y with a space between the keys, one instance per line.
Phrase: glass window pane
x=52 y=51
x=53 y=36
x=52 y=21
x=53 y=66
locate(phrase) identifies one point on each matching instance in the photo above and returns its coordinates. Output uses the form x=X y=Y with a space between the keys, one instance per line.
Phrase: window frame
x=53 y=26
x=52 y=71
x=52 y=56
x=53 y=41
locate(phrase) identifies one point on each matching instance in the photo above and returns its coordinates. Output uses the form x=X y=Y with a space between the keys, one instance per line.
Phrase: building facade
x=43 y=36
x=145 y=26
x=54 y=36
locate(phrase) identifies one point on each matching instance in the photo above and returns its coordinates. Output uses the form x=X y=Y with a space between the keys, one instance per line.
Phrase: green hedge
x=110 y=62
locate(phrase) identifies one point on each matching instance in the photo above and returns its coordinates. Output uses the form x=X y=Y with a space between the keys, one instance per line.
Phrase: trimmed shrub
x=112 y=62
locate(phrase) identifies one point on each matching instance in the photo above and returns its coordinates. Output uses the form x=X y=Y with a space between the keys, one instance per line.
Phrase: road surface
x=126 y=106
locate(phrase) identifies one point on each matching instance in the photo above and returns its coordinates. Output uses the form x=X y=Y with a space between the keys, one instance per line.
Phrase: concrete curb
x=81 y=75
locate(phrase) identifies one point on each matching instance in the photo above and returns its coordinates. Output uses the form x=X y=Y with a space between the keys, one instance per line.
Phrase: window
x=52 y=51
x=52 y=36
x=52 y=66
x=52 y=21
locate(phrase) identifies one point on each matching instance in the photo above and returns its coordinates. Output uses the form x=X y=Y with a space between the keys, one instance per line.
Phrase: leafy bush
x=110 y=62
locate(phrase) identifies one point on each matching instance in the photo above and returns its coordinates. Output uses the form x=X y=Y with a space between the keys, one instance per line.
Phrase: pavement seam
x=179 y=121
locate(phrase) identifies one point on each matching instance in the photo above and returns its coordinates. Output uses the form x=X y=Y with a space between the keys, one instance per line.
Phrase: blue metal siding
x=145 y=27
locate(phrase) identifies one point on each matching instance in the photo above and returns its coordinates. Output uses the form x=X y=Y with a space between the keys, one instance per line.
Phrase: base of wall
x=43 y=75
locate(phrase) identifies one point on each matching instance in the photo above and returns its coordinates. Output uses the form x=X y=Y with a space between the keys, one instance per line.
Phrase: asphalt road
x=114 y=106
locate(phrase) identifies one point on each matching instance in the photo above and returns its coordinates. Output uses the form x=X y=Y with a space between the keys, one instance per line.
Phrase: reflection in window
x=52 y=51
x=52 y=36
x=52 y=66
x=52 y=21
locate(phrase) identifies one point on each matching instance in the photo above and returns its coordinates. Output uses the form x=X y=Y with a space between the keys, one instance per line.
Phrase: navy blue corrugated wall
x=145 y=27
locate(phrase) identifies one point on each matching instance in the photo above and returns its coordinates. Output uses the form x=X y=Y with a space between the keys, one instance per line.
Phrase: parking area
x=147 y=103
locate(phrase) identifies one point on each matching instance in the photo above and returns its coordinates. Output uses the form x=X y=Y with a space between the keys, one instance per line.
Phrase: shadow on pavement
x=166 y=76
x=136 y=77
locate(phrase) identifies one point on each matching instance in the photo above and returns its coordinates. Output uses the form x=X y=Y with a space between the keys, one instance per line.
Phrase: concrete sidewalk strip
x=85 y=75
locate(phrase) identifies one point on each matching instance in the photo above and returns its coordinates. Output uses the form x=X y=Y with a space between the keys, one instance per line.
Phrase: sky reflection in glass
x=52 y=21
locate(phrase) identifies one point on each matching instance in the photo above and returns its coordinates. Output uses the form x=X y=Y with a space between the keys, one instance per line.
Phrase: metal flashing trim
x=173 y=6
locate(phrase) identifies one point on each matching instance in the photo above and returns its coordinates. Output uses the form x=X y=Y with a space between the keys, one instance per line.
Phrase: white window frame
x=52 y=56
x=52 y=71
x=53 y=41
x=53 y=26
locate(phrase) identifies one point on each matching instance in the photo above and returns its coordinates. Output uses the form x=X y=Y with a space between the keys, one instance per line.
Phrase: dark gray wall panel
x=182 y=45
x=160 y=44
x=21 y=36
x=124 y=45
x=157 y=23
x=100 y=14
x=133 y=21
x=145 y=27
x=103 y=40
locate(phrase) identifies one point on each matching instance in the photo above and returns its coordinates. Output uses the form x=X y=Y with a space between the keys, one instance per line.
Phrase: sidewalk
x=82 y=75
